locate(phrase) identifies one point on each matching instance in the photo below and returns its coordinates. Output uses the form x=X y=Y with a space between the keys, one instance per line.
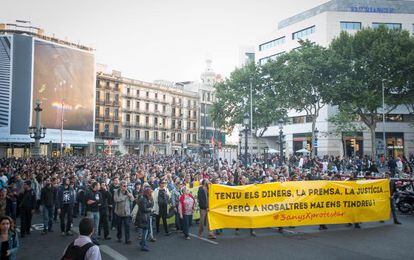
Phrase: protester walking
x=145 y=205
x=186 y=210
x=161 y=197
x=123 y=201
x=65 y=204
x=27 y=208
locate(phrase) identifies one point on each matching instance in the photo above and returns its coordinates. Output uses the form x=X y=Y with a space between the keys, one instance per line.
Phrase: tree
x=233 y=100
x=373 y=58
x=302 y=77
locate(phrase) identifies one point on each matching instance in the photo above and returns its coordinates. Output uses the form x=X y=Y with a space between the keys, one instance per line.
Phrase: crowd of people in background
x=130 y=192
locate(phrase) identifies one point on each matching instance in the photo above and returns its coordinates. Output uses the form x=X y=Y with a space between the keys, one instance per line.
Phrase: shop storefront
x=394 y=143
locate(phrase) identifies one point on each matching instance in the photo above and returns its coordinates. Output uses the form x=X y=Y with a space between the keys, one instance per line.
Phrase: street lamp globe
x=280 y=124
x=246 y=119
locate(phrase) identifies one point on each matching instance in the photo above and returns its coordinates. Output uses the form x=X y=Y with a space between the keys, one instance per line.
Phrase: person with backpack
x=83 y=248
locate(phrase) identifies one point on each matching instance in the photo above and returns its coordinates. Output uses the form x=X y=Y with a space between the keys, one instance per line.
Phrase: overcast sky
x=159 y=39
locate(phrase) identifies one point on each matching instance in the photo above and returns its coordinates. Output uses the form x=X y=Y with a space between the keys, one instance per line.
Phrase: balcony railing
x=109 y=135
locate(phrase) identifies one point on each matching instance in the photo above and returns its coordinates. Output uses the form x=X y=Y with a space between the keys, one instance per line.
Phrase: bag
x=76 y=252
x=171 y=212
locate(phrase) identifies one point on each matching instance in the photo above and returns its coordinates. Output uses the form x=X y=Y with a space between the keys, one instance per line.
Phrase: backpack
x=76 y=252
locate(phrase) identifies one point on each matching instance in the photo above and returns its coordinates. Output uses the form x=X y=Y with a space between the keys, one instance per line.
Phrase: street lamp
x=281 y=159
x=315 y=145
x=37 y=132
x=240 y=144
x=246 y=130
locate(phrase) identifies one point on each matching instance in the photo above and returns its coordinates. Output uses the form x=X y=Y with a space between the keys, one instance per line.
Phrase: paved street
x=373 y=241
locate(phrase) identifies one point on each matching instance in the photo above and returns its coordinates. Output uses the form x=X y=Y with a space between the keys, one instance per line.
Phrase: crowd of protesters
x=131 y=191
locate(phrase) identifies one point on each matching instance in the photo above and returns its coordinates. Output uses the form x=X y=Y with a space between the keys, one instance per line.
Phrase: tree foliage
x=233 y=99
x=372 y=57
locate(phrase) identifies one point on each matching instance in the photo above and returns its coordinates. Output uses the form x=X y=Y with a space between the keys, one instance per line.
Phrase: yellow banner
x=298 y=203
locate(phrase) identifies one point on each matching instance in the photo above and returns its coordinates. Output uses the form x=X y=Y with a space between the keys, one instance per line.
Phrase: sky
x=159 y=39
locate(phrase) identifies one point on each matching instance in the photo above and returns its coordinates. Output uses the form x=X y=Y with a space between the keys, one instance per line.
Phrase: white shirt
x=93 y=253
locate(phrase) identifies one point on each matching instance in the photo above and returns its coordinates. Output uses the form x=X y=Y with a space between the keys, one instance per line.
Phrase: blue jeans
x=127 y=223
x=187 y=219
x=144 y=237
x=47 y=218
x=95 y=217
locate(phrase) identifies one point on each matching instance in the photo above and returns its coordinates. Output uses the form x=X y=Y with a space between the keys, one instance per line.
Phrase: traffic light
x=353 y=142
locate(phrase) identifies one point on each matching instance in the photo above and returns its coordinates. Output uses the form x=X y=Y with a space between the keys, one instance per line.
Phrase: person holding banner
x=202 y=197
x=186 y=209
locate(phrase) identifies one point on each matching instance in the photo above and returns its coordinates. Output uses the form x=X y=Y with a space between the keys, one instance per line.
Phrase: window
x=116 y=99
x=128 y=103
x=173 y=111
x=194 y=138
x=188 y=138
x=147 y=120
x=138 y=92
x=273 y=43
x=208 y=96
x=173 y=124
x=107 y=84
x=146 y=106
x=96 y=129
x=303 y=34
x=164 y=108
x=147 y=94
x=298 y=120
x=163 y=136
x=156 y=95
x=116 y=113
x=98 y=95
x=163 y=97
x=146 y=135
x=137 y=119
x=179 y=123
x=179 y=138
x=391 y=26
x=155 y=121
x=195 y=114
x=194 y=125
x=106 y=112
x=128 y=91
x=107 y=96
x=156 y=136
x=116 y=86
x=106 y=127
x=264 y=60
x=156 y=107
x=97 y=111
x=137 y=134
x=163 y=122
x=128 y=134
x=172 y=137
x=188 y=125
x=128 y=117
x=189 y=113
x=137 y=105
x=350 y=26
x=116 y=129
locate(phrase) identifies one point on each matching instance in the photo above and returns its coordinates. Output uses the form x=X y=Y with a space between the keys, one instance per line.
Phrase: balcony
x=108 y=135
x=99 y=118
x=108 y=119
x=108 y=103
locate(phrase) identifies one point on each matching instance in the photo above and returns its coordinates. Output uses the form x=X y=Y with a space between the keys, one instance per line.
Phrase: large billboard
x=64 y=80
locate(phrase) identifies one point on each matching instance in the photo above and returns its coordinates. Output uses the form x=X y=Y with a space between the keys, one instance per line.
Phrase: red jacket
x=182 y=197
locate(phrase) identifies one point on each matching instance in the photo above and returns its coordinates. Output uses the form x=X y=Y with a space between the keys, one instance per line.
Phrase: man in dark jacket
x=27 y=207
x=106 y=203
x=65 y=204
x=47 y=200
x=202 y=197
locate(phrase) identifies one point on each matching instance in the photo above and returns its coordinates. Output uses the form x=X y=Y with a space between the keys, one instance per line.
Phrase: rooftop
x=360 y=6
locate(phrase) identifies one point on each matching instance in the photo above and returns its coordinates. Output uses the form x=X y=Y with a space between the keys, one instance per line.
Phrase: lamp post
x=281 y=159
x=383 y=121
x=246 y=130
x=240 y=144
x=316 y=142
x=37 y=132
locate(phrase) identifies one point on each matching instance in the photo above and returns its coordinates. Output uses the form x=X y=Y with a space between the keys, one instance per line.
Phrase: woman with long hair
x=145 y=205
x=9 y=239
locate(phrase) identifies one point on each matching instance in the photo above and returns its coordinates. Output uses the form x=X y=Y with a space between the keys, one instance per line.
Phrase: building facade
x=57 y=73
x=108 y=113
x=321 y=25
x=210 y=136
